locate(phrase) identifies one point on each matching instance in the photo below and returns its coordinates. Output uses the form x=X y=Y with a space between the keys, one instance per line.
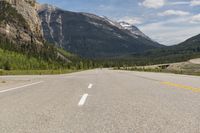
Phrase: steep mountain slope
x=193 y=42
x=21 y=35
x=89 y=35
x=133 y=29
x=184 y=51
x=20 y=22
x=190 y=46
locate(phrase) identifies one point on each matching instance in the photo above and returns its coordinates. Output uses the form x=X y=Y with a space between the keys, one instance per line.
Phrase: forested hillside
x=184 y=51
x=19 y=49
x=91 y=36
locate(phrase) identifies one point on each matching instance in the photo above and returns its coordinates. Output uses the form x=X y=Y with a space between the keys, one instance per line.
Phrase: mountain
x=21 y=36
x=89 y=35
x=133 y=29
x=184 y=51
x=20 y=22
x=193 y=42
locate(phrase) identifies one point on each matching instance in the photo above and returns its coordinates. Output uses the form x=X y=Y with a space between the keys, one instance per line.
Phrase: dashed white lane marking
x=19 y=87
x=83 y=99
x=90 y=86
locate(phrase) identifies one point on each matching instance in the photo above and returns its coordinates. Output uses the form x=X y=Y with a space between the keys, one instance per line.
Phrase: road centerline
x=90 y=86
x=182 y=86
x=82 y=100
x=19 y=87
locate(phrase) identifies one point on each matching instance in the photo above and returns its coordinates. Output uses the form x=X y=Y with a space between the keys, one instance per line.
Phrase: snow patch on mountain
x=134 y=30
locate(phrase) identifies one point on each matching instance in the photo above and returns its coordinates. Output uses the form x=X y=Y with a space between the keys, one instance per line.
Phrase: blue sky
x=166 y=21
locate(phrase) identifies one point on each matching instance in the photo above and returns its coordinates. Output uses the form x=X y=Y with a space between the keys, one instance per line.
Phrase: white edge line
x=90 y=86
x=82 y=100
x=19 y=87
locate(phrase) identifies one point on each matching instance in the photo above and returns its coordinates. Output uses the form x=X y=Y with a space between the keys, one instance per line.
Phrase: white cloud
x=171 y=30
x=191 y=3
x=160 y=3
x=153 y=3
x=195 y=19
x=179 y=3
x=131 y=20
x=168 y=33
x=174 y=13
x=195 y=3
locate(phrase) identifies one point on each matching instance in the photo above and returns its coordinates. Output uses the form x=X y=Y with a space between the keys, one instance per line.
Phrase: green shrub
x=7 y=65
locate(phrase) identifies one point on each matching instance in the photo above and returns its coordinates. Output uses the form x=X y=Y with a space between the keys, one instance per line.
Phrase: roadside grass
x=3 y=81
x=37 y=72
x=158 y=70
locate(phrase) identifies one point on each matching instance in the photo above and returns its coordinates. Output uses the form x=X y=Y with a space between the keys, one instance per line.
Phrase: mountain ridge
x=83 y=34
x=195 y=40
x=21 y=35
x=89 y=35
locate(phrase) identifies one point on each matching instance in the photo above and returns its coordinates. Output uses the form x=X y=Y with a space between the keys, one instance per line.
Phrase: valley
x=93 y=66
x=63 y=40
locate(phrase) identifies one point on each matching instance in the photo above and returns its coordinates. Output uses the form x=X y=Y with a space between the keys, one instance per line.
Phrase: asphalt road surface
x=100 y=101
x=195 y=61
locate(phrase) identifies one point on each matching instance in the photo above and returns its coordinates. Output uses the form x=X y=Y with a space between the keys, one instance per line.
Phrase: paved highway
x=100 y=101
x=195 y=61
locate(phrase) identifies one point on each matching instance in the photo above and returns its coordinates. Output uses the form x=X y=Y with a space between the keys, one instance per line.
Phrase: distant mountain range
x=191 y=42
x=29 y=25
x=89 y=35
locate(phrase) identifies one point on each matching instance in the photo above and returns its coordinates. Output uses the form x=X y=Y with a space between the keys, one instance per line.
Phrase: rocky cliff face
x=25 y=26
x=53 y=24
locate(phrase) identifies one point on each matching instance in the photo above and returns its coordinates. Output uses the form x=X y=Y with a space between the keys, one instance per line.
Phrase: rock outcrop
x=25 y=26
